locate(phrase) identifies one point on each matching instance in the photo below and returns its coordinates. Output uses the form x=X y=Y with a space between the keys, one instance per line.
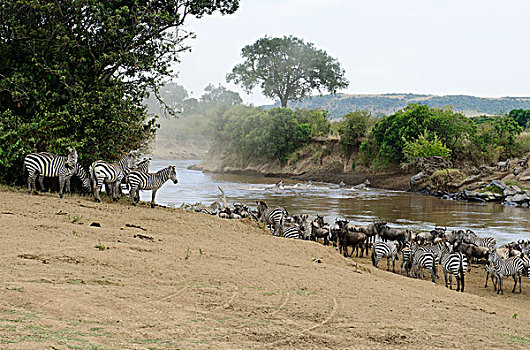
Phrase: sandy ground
x=167 y=279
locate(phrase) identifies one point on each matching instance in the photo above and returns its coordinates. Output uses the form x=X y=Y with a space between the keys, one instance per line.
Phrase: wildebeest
x=471 y=251
x=393 y=234
x=351 y=236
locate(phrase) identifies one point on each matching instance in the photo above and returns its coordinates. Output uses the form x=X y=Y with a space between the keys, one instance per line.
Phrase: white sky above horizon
x=440 y=47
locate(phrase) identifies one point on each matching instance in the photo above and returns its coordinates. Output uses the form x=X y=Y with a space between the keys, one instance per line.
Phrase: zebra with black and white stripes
x=513 y=266
x=45 y=164
x=273 y=218
x=382 y=249
x=437 y=250
x=102 y=172
x=140 y=180
x=406 y=258
x=454 y=264
x=487 y=242
x=291 y=232
x=422 y=259
x=142 y=166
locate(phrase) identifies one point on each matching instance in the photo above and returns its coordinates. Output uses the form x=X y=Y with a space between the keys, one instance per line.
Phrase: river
x=400 y=209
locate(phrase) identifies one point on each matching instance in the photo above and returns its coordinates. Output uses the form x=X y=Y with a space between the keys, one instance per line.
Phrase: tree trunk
x=283 y=100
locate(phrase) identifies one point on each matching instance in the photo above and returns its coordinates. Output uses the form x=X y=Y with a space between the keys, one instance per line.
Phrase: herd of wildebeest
x=418 y=251
x=453 y=250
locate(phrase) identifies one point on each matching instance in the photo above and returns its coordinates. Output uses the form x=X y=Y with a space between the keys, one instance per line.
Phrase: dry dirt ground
x=167 y=279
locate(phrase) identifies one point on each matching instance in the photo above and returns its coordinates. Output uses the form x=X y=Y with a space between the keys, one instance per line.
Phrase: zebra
x=422 y=259
x=382 y=249
x=513 y=266
x=406 y=258
x=102 y=172
x=142 y=166
x=45 y=164
x=437 y=250
x=486 y=242
x=454 y=264
x=140 y=180
x=291 y=232
x=272 y=217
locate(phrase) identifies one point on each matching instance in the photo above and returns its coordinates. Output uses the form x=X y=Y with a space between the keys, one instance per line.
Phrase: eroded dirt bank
x=167 y=279
x=321 y=160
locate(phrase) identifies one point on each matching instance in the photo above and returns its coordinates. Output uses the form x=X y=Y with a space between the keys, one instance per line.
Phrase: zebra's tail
x=373 y=255
x=92 y=175
x=461 y=272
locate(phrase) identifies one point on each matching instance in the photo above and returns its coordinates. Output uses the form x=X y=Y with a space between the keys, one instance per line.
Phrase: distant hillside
x=341 y=104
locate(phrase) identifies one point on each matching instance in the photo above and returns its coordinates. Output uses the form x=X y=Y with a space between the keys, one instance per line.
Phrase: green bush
x=252 y=133
x=426 y=145
x=392 y=132
x=353 y=128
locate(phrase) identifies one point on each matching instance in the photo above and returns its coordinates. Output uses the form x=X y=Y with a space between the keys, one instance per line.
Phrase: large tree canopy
x=76 y=72
x=287 y=68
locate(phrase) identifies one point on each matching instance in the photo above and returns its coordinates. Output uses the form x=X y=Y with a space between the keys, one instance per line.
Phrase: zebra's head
x=173 y=174
x=493 y=257
x=72 y=157
x=83 y=176
x=129 y=161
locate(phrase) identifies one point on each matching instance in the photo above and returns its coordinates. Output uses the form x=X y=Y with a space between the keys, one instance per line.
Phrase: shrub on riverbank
x=252 y=133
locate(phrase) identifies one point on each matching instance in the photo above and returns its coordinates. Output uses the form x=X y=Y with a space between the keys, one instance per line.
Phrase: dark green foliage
x=353 y=129
x=254 y=134
x=496 y=132
x=76 y=73
x=288 y=69
x=316 y=118
x=521 y=116
x=392 y=132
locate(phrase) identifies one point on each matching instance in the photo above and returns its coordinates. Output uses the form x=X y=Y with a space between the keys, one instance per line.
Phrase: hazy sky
x=422 y=46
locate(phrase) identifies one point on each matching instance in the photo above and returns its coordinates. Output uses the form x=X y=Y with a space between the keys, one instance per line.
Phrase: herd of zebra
x=418 y=251
x=452 y=250
x=134 y=175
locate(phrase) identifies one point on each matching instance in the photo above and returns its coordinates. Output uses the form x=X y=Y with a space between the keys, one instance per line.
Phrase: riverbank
x=321 y=160
x=106 y=275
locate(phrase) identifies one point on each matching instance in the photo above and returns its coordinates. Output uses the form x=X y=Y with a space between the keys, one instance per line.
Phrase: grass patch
x=517 y=339
x=99 y=246
x=512 y=182
x=494 y=189
x=304 y=293
x=257 y=288
x=440 y=178
x=76 y=219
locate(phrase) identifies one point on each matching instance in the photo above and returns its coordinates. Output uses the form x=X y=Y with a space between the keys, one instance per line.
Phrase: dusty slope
x=205 y=283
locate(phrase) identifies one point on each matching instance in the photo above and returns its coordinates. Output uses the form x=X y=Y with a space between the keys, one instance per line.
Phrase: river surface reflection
x=403 y=209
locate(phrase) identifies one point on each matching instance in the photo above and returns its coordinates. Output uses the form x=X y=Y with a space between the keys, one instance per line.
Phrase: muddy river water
x=399 y=209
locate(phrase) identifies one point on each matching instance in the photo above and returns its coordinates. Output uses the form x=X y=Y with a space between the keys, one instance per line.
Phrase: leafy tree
x=76 y=72
x=249 y=133
x=392 y=132
x=215 y=96
x=353 y=128
x=287 y=68
x=521 y=116
x=317 y=119
x=173 y=97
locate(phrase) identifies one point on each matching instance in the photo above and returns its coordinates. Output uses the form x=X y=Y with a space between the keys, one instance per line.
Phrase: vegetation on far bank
x=249 y=133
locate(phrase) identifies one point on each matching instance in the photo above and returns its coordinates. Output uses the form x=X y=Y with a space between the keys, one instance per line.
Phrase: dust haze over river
x=403 y=209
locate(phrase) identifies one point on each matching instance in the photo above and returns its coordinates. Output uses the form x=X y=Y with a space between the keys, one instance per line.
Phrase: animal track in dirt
x=284 y=295
x=309 y=329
